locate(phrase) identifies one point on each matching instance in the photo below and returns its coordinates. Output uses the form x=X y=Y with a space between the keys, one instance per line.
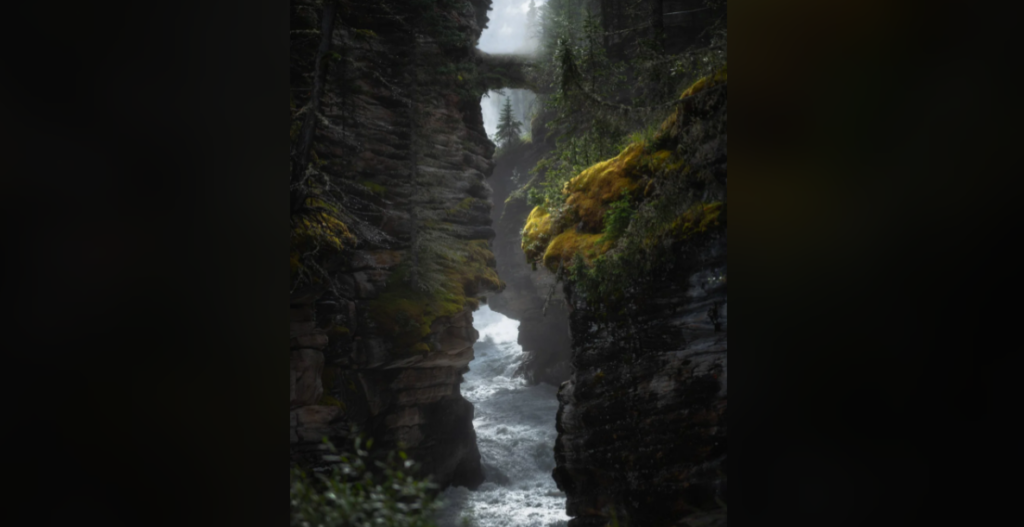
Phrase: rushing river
x=515 y=428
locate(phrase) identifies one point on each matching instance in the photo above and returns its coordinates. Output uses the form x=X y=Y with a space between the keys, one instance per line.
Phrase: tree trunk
x=305 y=143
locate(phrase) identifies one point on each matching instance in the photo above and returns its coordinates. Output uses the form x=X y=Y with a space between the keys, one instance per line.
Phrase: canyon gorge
x=443 y=308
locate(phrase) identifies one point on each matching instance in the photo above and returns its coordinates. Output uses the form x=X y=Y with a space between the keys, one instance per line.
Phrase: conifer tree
x=508 y=127
x=532 y=31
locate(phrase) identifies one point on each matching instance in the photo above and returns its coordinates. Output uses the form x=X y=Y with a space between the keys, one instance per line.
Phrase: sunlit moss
x=593 y=189
x=571 y=242
x=577 y=229
x=537 y=232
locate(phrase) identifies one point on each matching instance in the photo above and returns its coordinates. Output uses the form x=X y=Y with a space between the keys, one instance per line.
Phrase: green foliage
x=656 y=228
x=359 y=491
x=620 y=213
x=508 y=128
x=536 y=197
x=440 y=278
x=602 y=103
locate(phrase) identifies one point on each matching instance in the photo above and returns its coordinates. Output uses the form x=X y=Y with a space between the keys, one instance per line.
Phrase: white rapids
x=515 y=430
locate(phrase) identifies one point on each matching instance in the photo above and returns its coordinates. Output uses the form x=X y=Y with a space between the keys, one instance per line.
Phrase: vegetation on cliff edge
x=357 y=490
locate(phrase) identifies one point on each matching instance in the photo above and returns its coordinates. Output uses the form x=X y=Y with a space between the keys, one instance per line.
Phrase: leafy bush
x=619 y=214
x=350 y=494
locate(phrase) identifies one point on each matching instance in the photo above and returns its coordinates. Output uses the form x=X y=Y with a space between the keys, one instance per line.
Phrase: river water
x=515 y=429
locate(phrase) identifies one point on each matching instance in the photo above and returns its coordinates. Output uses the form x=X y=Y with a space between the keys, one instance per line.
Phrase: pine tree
x=508 y=127
x=532 y=31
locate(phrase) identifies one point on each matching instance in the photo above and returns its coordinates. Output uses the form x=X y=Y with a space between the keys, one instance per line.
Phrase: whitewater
x=515 y=430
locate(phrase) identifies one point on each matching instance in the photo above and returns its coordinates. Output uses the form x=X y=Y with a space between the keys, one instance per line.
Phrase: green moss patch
x=566 y=245
x=406 y=314
x=600 y=198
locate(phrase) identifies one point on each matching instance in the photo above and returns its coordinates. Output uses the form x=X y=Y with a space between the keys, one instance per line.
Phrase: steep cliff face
x=642 y=426
x=381 y=340
x=642 y=418
x=532 y=295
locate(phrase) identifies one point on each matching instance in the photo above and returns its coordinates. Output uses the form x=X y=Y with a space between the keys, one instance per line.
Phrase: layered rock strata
x=642 y=419
x=381 y=347
x=532 y=296
x=642 y=434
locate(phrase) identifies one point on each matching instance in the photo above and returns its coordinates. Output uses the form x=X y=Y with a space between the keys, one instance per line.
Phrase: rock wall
x=642 y=419
x=532 y=296
x=642 y=434
x=407 y=156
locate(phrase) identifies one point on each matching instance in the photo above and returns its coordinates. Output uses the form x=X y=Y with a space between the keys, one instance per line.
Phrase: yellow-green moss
x=537 y=232
x=590 y=194
x=698 y=219
x=321 y=231
x=593 y=189
x=570 y=242
x=719 y=77
x=669 y=124
x=406 y=314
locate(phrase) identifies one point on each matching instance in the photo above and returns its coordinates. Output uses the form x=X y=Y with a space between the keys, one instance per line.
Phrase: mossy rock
x=577 y=229
x=595 y=188
x=406 y=314
x=570 y=243
x=537 y=232
x=699 y=219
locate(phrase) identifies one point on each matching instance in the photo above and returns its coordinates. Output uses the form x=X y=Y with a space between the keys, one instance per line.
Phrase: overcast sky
x=507 y=28
x=504 y=33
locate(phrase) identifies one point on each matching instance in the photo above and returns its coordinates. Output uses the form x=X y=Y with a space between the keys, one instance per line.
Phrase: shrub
x=350 y=494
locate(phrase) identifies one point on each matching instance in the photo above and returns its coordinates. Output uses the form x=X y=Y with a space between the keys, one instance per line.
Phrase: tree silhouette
x=508 y=127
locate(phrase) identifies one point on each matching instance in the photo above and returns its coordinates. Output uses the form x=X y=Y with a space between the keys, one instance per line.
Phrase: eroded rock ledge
x=642 y=419
x=642 y=436
x=532 y=296
x=411 y=157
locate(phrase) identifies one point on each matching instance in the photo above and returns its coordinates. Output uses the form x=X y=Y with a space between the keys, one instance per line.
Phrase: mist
x=507 y=32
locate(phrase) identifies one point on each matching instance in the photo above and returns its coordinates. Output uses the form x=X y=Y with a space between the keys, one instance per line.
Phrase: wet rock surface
x=531 y=296
x=397 y=141
x=642 y=427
